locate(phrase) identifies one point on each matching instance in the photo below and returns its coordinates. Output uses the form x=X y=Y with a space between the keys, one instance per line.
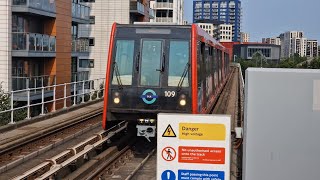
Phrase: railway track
x=34 y=146
x=72 y=158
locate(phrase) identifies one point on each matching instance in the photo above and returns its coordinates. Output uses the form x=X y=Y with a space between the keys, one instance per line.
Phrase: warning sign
x=169 y=132
x=203 y=155
x=200 y=149
x=202 y=131
x=169 y=154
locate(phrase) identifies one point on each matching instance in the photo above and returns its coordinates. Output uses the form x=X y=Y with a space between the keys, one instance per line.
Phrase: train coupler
x=146 y=128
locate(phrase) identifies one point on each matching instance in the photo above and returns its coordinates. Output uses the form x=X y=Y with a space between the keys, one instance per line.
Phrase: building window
x=92 y=20
x=91 y=41
x=86 y=63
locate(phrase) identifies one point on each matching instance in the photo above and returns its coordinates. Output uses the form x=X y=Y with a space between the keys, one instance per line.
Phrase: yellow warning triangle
x=169 y=132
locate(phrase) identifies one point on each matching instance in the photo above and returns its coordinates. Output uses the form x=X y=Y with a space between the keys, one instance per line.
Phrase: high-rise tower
x=223 y=11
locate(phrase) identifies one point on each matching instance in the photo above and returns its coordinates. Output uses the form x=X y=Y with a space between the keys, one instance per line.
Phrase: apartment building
x=103 y=14
x=312 y=48
x=38 y=44
x=225 y=33
x=208 y=27
x=293 y=42
x=245 y=37
x=225 y=11
x=47 y=42
x=168 y=11
x=274 y=40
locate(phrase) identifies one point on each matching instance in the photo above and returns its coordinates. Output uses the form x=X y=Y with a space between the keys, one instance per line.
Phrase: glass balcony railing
x=19 y=83
x=33 y=42
x=79 y=76
x=163 y=5
x=151 y=13
x=80 y=45
x=137 y=6
x=80 y=11
x=45 y=5
x=164 y=19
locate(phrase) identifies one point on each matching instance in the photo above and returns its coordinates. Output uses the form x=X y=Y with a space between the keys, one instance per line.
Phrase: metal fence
x=68 y=94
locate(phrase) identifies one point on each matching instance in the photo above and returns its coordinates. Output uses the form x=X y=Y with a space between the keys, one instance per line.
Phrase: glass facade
x=265 y=51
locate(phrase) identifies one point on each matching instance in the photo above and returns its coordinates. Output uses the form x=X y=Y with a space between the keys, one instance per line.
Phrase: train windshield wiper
x=116 y=70
x=183 y=76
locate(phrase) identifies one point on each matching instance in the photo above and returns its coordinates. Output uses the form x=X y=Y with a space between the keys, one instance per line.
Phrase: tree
x=5 y=104
x=315 y=64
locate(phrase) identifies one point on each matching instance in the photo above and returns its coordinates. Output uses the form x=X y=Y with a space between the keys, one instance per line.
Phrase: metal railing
x=61 y=93
x=164 y=19
x=80 y=45
x=19 y=83
x=165 y=5
x=33 y=42
x=45 y=5
x=80 y=11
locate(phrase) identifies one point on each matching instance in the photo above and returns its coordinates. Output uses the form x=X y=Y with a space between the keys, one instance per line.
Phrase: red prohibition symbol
x=169 y=154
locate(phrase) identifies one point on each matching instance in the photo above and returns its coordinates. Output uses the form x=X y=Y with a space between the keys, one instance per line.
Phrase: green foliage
x=293 y=62
x=5 y=104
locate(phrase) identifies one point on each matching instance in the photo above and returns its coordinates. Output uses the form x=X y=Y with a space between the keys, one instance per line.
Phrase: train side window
x=124 y=62
x=178 y=63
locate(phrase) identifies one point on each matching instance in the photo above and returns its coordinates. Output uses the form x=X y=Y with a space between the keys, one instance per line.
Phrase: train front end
x=149 y=71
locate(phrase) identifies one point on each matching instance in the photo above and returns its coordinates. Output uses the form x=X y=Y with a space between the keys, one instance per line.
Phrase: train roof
x=154 y=25
x=200 y=31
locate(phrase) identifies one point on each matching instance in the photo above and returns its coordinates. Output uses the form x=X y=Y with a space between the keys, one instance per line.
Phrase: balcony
x=35 y=83
x=80 y=47
x=137 y=7
x=80 y=13
x=37 y=7
x=33 y=45
x=151 y=13
x=164 y=19
x=163 y=5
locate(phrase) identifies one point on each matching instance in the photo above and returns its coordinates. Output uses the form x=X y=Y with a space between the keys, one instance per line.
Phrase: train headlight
x=116 y=100
x=152 y=121
x=183 y=102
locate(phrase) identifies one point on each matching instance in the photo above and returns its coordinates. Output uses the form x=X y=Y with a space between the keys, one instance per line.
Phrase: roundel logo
x=149 y=96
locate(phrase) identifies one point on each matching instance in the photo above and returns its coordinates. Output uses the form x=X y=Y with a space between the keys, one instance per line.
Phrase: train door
x=151 y=72
x=151 y=62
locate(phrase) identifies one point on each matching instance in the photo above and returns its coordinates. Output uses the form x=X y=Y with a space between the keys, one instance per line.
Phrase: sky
x=269 y=18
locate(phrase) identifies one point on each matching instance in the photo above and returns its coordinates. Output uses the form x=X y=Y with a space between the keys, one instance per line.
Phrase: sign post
x=193 y=147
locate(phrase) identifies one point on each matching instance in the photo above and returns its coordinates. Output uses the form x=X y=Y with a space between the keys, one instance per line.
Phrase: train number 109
x=169 y=94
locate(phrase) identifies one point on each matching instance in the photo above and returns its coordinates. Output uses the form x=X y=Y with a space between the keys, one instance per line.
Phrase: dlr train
x=155 y=69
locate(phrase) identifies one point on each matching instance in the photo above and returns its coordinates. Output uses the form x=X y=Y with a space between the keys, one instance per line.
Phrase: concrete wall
x=282 y=120
x=5 y=44
x=106 y=12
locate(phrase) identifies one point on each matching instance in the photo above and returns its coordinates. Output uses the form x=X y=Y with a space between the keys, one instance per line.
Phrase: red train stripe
x=194 y=69
x=106 y=91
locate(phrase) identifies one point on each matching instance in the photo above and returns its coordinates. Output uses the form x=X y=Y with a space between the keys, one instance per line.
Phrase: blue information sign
x=168 y=175
x=200 y=175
